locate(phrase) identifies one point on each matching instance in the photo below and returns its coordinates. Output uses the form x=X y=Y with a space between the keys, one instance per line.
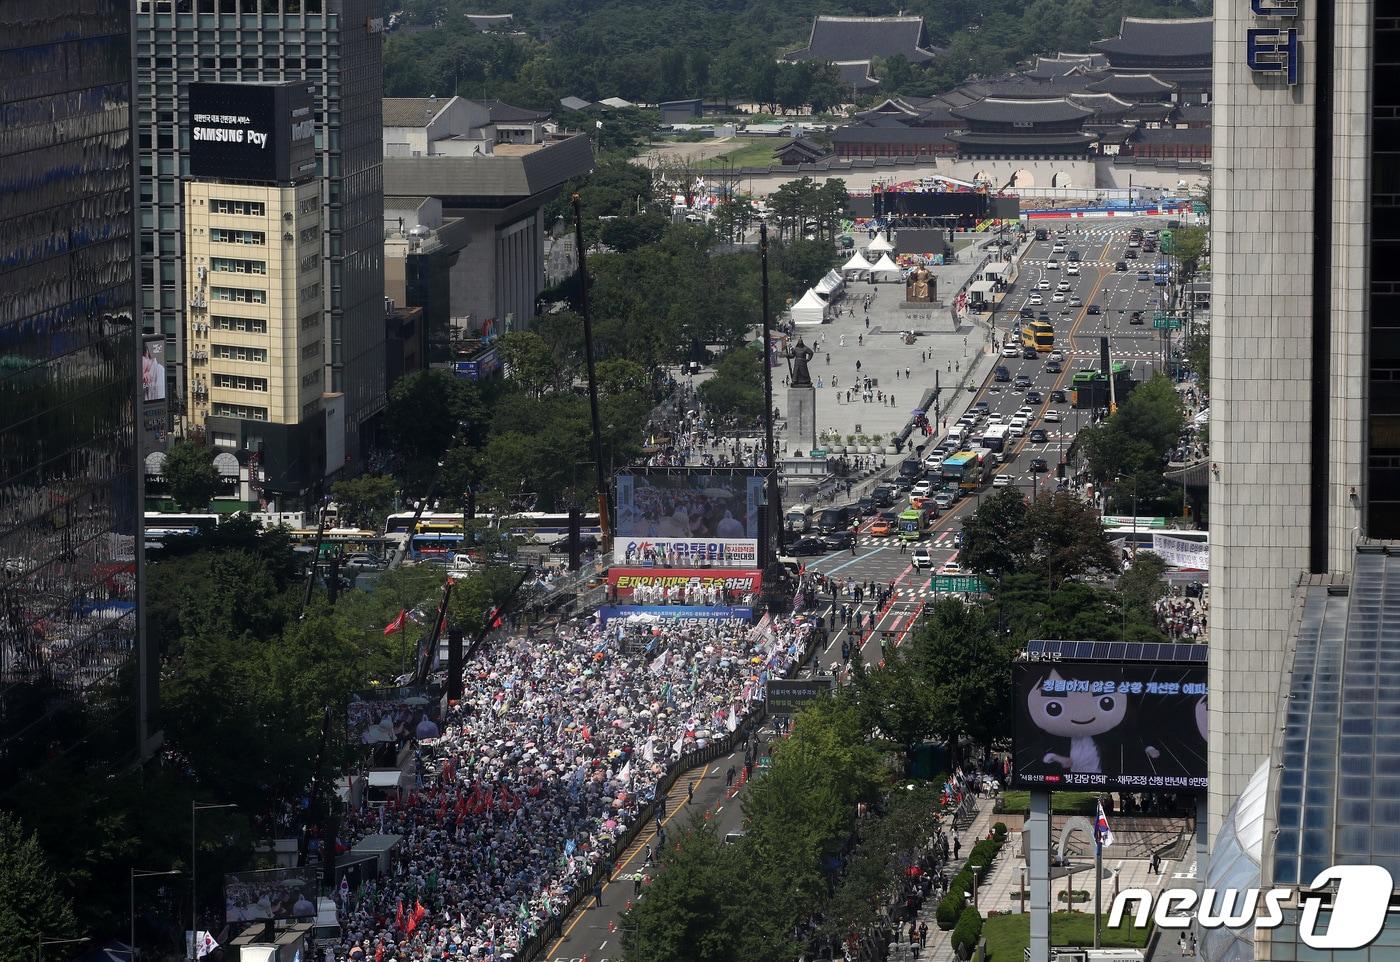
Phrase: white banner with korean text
x=1181 y=552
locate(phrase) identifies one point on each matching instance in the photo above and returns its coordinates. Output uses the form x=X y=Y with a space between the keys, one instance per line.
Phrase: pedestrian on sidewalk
x=1156 y=864
x=690 y=792
x=597 y=893
x=729 y=777
x=923 y=934
x=957 y=848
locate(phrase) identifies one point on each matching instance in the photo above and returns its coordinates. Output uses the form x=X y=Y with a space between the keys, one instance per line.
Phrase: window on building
x=237 y=265
x=309 y=234
x=313 y=378
x=222 y=439
x=244 y=412
x=240 y=295
x=311 y=292
x=236 y=352
x=246 y=208
x=311 y=262
x=311 y=350
x=222 y=235
x=244 y=325
x=239 y=382
x=310 y=321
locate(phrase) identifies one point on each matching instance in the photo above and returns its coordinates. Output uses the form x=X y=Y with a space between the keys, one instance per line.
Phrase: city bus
x=967 y=468
x=994 y=438
x=161 y=525
x=544 y=527
x=349 y=540
x=1039 y=335
x=914 y=523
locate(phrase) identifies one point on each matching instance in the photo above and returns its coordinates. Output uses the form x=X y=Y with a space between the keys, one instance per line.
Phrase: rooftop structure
x=1146 y=44
x=848 y=39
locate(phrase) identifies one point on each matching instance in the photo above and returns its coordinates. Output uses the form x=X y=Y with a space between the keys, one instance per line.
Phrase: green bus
x=915 y=522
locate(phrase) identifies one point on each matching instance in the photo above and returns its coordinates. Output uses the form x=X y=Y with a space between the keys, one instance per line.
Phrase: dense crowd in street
x=1185 y=618
x=557 y=744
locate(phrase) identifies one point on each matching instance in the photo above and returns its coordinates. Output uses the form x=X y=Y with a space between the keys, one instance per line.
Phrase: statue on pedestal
x=919 y=286
x=800 y=354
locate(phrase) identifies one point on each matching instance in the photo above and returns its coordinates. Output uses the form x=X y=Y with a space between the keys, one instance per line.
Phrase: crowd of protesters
x=557 y=744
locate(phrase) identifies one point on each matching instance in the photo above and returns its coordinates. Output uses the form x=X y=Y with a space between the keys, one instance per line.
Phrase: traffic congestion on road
x=1087 y=283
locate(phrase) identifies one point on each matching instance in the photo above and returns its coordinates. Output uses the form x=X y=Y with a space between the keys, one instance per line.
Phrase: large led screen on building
x=1109 y=726
x=278 y=893
x=688 y=518
x=261 y=133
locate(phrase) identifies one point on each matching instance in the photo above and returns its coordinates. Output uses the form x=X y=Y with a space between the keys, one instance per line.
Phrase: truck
x=914 y=522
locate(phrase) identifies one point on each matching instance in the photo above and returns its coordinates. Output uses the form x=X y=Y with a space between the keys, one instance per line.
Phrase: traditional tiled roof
x=1027 y=88
x=1047 y=67
x=504 y=113
x=894 y=106
x=1159 y=38
x=847 y=39
x=1149 y=111
x=1172 y=135
x=574 y=103
x=1131 y=86
x=1192 y=113
x=1110 y=133
x=802 y=147
x=491 y=21
x=856 y=74
x=412 y=111
x=1062 y=138
x=1103 y=105
x=1002 y=110
x=860 y=134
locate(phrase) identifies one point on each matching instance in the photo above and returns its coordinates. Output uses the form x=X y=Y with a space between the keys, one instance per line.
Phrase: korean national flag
x=1102 y=833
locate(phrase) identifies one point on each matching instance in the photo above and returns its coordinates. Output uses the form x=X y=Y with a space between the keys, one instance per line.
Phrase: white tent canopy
x=885 y=269
x=809 y=311
x=830 y=285
x=879 y=245
x=856 y=265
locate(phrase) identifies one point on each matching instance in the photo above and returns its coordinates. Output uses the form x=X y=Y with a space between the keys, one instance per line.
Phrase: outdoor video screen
x=279 y=893
x=690 y=505
x=1110 y=726
x=390 y=715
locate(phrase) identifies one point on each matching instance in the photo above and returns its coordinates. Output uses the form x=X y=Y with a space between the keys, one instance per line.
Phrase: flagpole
x=1098 y=871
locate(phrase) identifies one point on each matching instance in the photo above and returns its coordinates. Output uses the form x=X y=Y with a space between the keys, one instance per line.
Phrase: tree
x=626 y=234
x=735 y=393
x=190 y=472
x=364 y=500
x=1140 y=587
x=528 y=361
x=1065 y=539
x=965 y=665
x=896 y=703
x=993 y=535
x=31 y=904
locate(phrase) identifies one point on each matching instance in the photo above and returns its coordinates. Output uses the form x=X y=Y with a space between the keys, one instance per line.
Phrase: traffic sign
x=962 y=584
x=1166 y=322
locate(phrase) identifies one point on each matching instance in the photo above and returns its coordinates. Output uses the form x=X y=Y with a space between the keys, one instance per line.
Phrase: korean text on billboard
x=1110 y=726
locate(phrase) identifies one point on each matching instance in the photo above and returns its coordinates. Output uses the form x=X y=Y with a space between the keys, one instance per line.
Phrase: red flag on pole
x=398 y=919
x=397 y=624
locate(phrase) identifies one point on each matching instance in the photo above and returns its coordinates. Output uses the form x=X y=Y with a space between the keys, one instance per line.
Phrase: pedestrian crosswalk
x=942 y=540
x=1083 y=265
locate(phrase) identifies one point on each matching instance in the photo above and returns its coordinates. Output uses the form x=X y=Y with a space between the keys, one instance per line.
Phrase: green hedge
x=953 y=908
x=949 y=907
x=967 y=932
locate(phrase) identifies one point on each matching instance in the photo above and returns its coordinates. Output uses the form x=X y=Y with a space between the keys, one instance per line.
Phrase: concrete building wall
x=1261 y=365
x=275 y=337
x=499 y=278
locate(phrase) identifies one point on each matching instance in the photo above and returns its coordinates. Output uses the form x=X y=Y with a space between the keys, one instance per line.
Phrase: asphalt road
x=592 y=933
x=1077 y=335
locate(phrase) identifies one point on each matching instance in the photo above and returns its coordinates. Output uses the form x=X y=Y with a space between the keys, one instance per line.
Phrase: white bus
x=994 y=438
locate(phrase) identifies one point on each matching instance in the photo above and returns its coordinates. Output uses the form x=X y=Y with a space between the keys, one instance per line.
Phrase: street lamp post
x=137 y=873
x=195 y=809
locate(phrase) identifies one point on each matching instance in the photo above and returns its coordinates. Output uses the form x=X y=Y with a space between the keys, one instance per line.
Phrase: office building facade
x=70 y=382
x=1305 y=458
x=336 y=47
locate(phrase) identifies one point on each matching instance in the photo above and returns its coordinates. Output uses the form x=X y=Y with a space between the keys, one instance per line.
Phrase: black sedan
x=838 y=540
x=866 y=505
x=1052 y=367
x=1034 y=397
x=1136 y=319
x=1094 y=309
x=808 y=546
x=1029 y=353
x=1038 y=436
x=1039 y=466
x=1121 y=266
x=1057 y=396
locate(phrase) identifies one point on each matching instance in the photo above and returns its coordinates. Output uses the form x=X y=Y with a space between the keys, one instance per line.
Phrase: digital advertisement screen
x=688 y=518
x=390 y=715
x=1109 y=726
x=279 y=893
x=251 y=132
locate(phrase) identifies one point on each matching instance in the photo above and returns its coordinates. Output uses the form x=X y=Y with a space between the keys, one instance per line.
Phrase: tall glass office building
x=70 y=345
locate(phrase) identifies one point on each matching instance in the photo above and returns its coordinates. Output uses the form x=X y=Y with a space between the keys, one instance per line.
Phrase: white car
x=922 y=557
x=1010 y=350
x=1052 y=265
x=1058 y=297
x=1001 y=481
x=1042 y=285
x=1072 y=270
x=1076 y=301
x=1055 y=356
x=920 y=489
x=1035 y=300
x=1054 y=417
x=1058 y=248
x=1062 y=286
x=951 y=568
x=1017 y=428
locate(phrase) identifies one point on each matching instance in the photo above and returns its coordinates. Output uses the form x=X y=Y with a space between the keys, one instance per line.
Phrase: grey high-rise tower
x=336 y=46
x=70 y=342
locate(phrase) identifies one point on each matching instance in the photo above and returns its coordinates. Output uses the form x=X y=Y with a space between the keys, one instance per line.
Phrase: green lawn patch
x=1008 y=935
x=1066 y=803
x=755 y=153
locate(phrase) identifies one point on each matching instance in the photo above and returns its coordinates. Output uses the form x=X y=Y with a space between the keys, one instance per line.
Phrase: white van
x=1017 y=428
x=798 y=519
